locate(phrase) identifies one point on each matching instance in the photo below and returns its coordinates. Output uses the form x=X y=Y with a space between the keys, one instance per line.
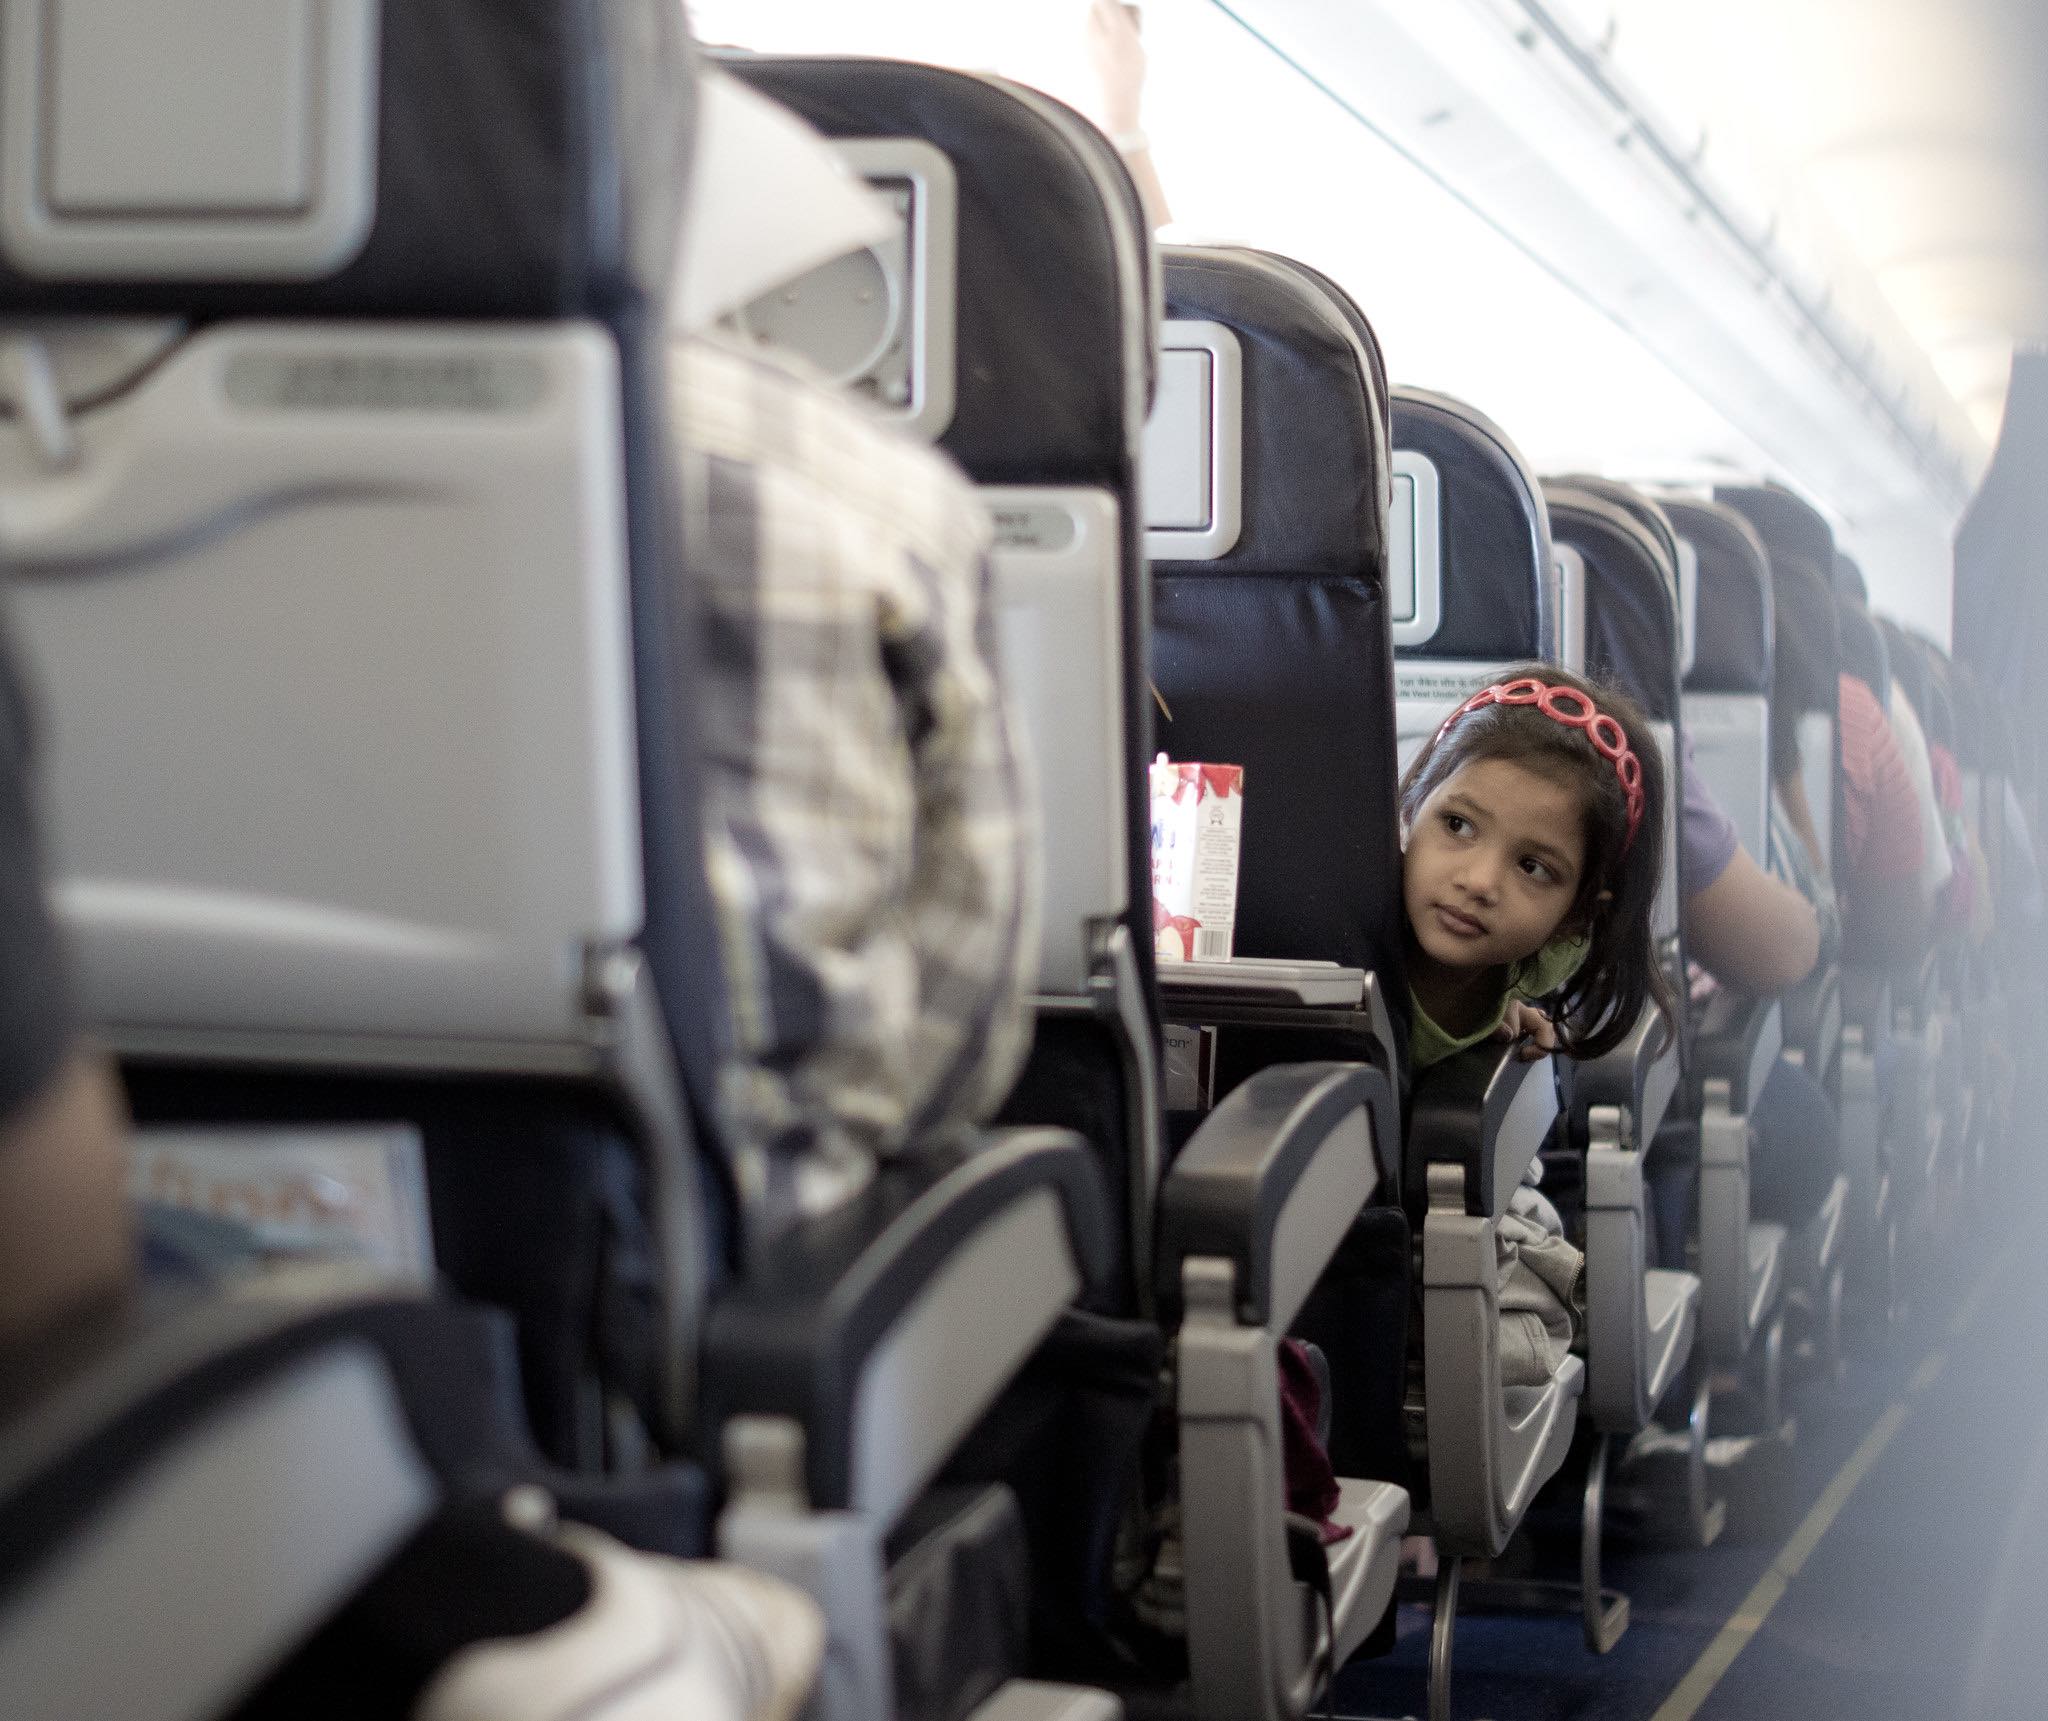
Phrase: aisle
x=1895 y=1566
x=1925 y=1596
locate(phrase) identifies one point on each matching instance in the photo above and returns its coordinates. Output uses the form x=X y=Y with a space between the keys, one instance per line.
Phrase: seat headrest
x=1904 y=664
x=1849 y=580
x=1786 y=523
x=440 y=158
x=1056 y=343
x=1497 y=605
x=1311 y=505
x=1736 y=610
x=1865 y=653
x=1632 y=622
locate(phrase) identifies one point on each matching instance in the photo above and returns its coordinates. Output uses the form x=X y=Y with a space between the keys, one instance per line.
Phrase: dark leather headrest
x=1631 y=595
x=1313 y=453
x=1864 y=653
x=1045 y=330
x=1734 y=620
x=1496 y=535
x=1786 y=523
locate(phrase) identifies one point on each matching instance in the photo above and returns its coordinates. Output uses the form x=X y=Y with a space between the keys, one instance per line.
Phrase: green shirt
x=1533 y=977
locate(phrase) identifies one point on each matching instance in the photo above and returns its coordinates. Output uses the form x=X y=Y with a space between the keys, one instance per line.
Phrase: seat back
x=1500 y=594
x=1909 y=670
x=1727 y=691
x=1632 y=634
x=1273 y=653
x=1044 y=362
x=1801 y=547
x=345 y=545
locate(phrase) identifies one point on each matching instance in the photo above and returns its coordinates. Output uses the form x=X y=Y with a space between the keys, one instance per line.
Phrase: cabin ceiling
x=1917 y=130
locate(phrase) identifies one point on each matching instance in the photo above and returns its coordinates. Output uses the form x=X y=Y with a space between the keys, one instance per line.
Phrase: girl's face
x=1491 y=864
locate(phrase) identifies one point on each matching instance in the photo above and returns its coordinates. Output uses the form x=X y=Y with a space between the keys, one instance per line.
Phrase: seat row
x=352 y=570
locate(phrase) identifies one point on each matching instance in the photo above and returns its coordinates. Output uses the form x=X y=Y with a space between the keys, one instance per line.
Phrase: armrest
x=1738 y=1043
x=143 y=1485
x=1271 y=1182
x=883 y=1329
x=1363 y=1034
x=1640 y=1075
x=1484 y=1113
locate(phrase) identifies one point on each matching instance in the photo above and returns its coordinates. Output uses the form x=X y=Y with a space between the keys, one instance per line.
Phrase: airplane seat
x=1627 y=560
x=1831 y=637
x=1635 y=635
x=1727 y=699
x=1054 y=324
x=1269 y=627
x=1020 y=338
x=1475 y=505
x=200 y=1484
x=365 y=631
x=302 y=570
x=1473 y=590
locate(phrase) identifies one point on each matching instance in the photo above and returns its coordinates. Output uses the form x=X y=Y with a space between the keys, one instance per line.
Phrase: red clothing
x=1881 y=817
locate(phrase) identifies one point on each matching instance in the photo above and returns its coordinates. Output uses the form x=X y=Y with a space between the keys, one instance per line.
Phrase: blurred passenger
x=870 y=819
x=65 y=1235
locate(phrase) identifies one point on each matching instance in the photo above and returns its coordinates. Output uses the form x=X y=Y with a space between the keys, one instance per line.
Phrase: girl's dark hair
x=1600 y=1005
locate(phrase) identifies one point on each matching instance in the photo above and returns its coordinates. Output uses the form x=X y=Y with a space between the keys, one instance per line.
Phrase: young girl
x=1532 y=836
x=1532 y=840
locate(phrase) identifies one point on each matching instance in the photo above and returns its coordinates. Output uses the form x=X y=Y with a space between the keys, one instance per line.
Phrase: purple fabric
x=1707 y=839
x=1312 y=1489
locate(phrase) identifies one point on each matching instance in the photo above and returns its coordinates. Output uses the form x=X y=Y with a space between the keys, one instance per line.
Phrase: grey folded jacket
x=1542 y=1289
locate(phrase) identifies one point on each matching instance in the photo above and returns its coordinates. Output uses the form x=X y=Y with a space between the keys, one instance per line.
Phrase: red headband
x=1609 y=739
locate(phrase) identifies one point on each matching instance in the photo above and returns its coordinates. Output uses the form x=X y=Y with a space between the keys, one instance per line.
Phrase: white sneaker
x=658 y=1640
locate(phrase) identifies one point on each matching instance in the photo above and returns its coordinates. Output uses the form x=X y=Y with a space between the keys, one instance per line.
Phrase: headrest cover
x=1786 y=523
x=1311 y=504
x=1494 y=536
x=1864 y=653
x=1631 y=597
x=529 y=161
x=1053 y=340
x=1736 y=607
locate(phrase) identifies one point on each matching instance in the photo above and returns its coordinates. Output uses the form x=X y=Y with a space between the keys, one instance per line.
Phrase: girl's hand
x=1523 y=1018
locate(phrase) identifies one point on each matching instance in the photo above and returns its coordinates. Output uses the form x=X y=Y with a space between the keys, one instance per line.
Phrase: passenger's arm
x=64 y=1230
x=65 y=1239
x=1750 y=931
